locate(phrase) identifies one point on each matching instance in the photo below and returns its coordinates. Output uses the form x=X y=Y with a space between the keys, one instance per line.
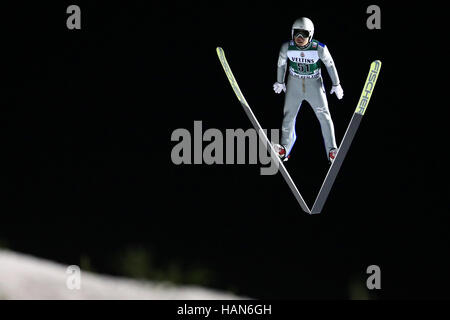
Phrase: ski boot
x=332 y=155
x=281 y=151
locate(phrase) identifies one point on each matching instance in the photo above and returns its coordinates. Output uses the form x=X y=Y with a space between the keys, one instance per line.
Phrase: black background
x=86 y=140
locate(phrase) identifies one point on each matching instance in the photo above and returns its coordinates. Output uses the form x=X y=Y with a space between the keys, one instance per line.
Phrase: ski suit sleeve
x=327 y=60
x=282 y=63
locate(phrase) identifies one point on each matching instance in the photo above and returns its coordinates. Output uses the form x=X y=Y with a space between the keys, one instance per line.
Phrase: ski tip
x=219 y=50
x=376 y=63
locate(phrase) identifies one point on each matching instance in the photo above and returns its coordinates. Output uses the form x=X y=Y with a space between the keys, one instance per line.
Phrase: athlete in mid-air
x=304 y=57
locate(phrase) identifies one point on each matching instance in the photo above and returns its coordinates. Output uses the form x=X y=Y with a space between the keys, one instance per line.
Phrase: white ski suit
x=304 y=82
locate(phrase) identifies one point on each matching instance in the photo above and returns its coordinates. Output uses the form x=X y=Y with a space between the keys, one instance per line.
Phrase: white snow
x=25 y=277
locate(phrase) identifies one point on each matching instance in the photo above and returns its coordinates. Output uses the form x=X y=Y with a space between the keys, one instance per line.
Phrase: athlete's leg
x=292 y=105
x=318 y=100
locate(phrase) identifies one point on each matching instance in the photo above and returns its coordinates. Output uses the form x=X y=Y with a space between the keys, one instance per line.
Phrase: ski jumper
x=304 y=82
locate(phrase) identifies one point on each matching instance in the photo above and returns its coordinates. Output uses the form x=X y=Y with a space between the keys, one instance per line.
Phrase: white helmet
x=303 y=24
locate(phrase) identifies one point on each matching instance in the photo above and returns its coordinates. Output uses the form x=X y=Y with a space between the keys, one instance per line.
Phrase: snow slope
x=27 y=277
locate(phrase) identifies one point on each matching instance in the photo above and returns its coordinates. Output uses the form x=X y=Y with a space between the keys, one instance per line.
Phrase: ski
x=262 y=135
x=342 y=150
x=348 y=137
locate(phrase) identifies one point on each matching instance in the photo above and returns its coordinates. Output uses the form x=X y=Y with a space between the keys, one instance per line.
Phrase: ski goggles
x=301 y=33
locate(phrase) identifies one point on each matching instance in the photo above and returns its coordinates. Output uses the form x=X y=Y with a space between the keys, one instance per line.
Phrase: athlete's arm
x=282 y=63
x=327 y=60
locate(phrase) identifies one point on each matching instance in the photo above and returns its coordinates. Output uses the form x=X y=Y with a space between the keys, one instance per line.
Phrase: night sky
x=86 y=129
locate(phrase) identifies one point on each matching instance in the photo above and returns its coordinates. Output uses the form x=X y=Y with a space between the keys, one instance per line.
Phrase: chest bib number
x=304 y=68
